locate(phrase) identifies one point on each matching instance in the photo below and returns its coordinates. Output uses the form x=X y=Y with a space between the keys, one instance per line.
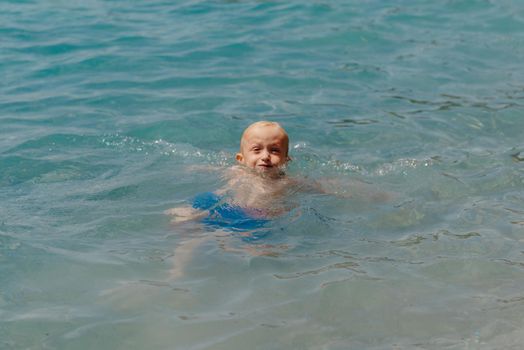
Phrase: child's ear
x=239 y=157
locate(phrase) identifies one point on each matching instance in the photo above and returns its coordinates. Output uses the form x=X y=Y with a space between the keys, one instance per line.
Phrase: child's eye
x=275 y=150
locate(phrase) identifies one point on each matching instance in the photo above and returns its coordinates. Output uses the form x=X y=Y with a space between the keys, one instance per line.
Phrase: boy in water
x=256 y=190
x=257 y=186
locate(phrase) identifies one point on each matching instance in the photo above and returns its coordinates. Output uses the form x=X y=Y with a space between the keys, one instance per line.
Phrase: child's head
x=264 y=147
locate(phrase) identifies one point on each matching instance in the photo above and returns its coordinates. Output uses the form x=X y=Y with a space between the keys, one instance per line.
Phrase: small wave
x=306 y=159
x=345 y=123
x=401 y=165
x=345 y=265
x=166 y=148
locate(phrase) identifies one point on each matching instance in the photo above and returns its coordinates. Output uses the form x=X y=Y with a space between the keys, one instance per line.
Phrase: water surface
x=105 y=107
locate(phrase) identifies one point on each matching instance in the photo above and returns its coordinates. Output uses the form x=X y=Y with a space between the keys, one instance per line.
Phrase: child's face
x=264 y=148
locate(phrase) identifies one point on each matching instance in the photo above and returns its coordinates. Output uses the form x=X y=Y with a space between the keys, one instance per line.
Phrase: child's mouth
x=265 y=166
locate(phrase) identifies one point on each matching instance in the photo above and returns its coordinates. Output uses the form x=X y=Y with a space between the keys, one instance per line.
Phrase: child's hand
x=185 y=213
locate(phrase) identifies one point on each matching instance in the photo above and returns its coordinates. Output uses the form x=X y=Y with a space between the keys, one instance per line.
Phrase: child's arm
x=352 y=188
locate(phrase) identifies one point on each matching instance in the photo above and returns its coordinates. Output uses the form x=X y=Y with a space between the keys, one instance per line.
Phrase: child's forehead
x=263 y=131
x=263 y=134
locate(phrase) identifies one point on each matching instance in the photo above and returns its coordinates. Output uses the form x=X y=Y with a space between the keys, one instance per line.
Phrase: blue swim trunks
x=230 y=217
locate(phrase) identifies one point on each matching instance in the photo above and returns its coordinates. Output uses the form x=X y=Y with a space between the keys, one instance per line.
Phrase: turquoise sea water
x=106 y=106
